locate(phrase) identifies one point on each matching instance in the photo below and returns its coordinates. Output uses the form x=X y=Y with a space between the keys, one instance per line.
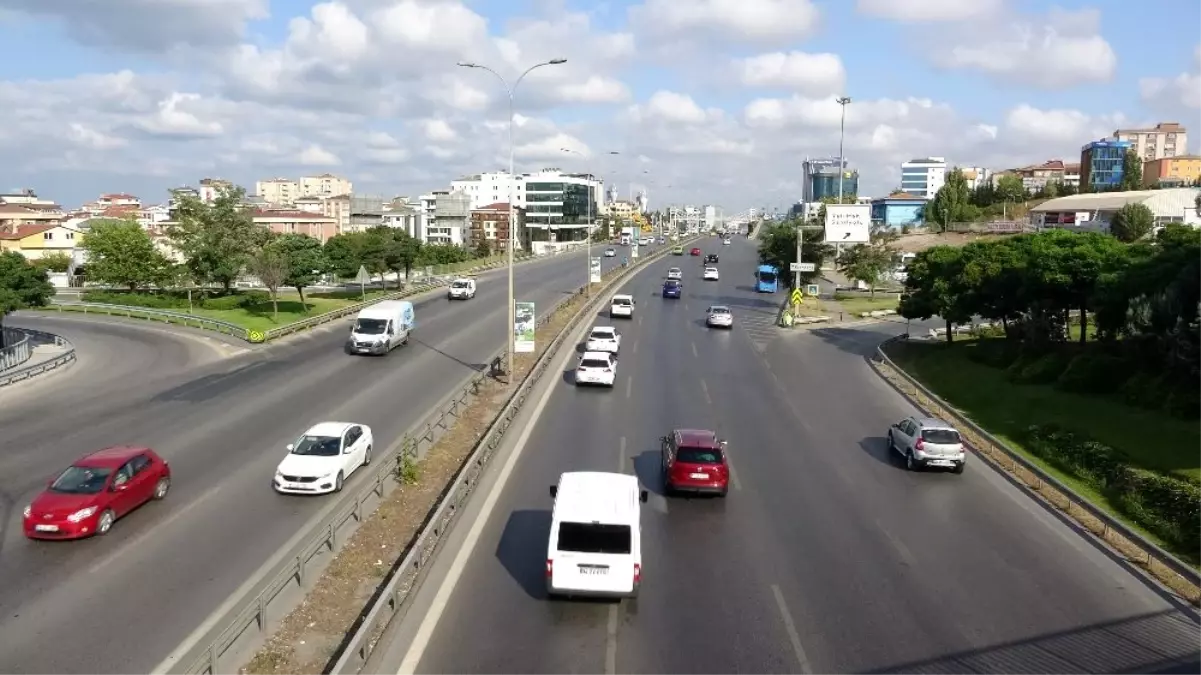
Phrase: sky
x=705 y=101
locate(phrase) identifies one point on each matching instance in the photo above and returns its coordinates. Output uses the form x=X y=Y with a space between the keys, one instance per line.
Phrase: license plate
x=699 y=476
x=942 y=462
x=46 y=528
x=594 y=571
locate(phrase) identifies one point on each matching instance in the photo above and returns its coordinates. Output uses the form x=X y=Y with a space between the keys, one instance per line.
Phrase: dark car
x=694 y=460
x=711 y=258
x=672 y=289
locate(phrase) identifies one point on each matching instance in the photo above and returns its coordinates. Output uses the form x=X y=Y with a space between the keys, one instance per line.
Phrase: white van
x=462 y=288
x=595 y=546
x=622 y=304
x=382 y=327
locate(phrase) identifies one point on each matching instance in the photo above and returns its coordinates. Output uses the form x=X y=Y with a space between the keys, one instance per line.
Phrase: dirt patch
x=307 y=639
x=916 y=243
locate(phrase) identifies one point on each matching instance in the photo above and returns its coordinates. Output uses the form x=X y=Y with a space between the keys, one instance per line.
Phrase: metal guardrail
x=150 y=314
x=1167 y=568
x=17 y=349
x=250 y=611
x=66 y=358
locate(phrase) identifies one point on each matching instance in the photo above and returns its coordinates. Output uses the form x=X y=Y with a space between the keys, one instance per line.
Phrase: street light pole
x=512 y=320
x=842 y=131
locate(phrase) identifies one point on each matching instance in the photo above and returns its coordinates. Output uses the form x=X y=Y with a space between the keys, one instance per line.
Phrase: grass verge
x=855 y=304
x=308 y=637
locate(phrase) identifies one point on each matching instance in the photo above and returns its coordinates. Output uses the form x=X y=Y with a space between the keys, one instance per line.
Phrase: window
x=594 y=538
x=940 y=436
x=698 y=456
x=47 y=236
x=140 y=463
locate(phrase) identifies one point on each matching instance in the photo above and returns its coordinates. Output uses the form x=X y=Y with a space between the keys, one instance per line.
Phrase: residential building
x=621 y=210
x=402 y=216
x=450 y=218
x=1092 y=212
x=425 y=215
x=1101 y=164
x=491 y=224
x=26 y=214
x=975 y=176
x=491 y=188
x=338 y=208
x=1037 y=176
x=211 y=188
x=29 y=199
x=1166 y=139
x=152 y=217
x=924 y=177
x=899 y=209
x=281 y=221
x=325 y=185
x=278 y=191
x=35 y=241
x=120 y=201
x=364 y=212
x=1178 y=171
x=310 y=204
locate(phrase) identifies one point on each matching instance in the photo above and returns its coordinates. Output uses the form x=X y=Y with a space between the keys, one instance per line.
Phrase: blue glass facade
x=825 y=184
x=898 y=212
x=1101 y=164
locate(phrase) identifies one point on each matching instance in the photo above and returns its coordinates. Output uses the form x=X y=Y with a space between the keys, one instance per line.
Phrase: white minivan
x=595 y=546
x=622 y=305
x=382 y=327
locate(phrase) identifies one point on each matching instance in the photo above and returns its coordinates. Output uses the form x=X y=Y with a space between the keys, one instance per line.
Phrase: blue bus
x=766 y=279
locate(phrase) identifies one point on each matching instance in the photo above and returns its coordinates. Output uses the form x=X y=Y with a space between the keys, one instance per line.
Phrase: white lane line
x=789 y=626
x=705 y=391
x=694 y=352
x=634 y=349
x=734 y=481
x=611 y=642
x=639 y=320
x=430 y=621
x=629 y=385
x=621 y=455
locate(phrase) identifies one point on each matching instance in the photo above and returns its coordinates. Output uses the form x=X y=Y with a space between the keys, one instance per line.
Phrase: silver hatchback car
x=927 y=442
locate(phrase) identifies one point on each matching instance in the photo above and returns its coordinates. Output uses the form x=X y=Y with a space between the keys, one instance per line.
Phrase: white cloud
x=739 y=21
x=1175 y=95
x=439 y=130
x=670 y=107
x=93 y=139
x=916 y=11
x=596 y=89
x=1049 y=125
x=551 y=148
x=806 y=73
x=315 y=155
x=173 y=118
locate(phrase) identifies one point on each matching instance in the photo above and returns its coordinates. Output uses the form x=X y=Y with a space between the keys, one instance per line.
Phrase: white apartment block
x=1166 y=139
x=281 y=191
x=211 y=187
x=325 y=185
x=975 y=176
x=493 y=188
x=924 y=177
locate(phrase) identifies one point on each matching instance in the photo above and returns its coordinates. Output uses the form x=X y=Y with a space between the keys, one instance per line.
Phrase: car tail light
x=550 y=568
x=919 y=445
x=637 y=573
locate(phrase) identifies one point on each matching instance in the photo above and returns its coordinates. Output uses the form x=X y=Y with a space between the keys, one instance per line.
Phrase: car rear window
x=594 y=538
x=594 y=363
x=601 y=335
x=940 y=436
x=698 y=456
x=621 y=301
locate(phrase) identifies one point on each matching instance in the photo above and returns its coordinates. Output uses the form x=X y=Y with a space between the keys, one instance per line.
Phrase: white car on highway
x=622 y=305
x=321 y=460
x=675 y=273
x=719 y=316
x=596 y=368
x=610 y=253
x=710 y=274
x=603 y=339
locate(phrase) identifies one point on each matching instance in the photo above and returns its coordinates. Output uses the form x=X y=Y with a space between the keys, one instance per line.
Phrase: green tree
x=934 y=287
x=403 y=253
x=870 y=262
x=54 y=262
x=272 y=266
x=483 y=249
x=952 y=203
x=1132 y=222
x=442 y=254
x=1010 y=189
x=777 y=247
x=22 y=285
x=343 y=255
x=306 y=261
x=1132 y=171
x=373 y=250
x=121 y=253
x=216 y=239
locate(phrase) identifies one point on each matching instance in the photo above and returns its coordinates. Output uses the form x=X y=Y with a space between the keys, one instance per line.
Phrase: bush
x=166 y=301
x=1043 y=369
x=1093 y=373
x=1145 y=390
x=1184 y=401
x=997 y=353
x=234 y=300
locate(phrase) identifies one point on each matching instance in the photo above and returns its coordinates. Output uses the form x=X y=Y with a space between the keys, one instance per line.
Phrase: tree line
x=1133 y=309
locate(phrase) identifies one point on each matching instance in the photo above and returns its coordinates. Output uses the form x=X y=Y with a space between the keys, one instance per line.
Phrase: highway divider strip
x=249 y=611
x=20 y=374
x=1177 y=575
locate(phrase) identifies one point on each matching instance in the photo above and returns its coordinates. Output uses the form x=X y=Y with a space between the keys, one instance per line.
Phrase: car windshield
x=672 y=284
x=81 y=480
x=318 y=446
x=940 y=436
x=698 y=456
x=719 y=310
x=594 y=538
x=712 y=270
x=459 y=284
x=602 y=335
x=594 y=363
x=370 y=326
x=767 y=277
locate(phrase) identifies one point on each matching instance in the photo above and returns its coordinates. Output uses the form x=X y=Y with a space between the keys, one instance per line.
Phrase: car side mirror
x=643 y=496
x=554 y=491
x=121 y=488
x=896 y=425
x=724 y=443
x=291 y=447
x=347 y=450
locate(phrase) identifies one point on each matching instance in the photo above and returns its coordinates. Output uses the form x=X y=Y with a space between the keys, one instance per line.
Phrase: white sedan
x=598 y=368
x=719 y=316
x=610 y=253
x=710 y=274
x=603 y=339
x=321 y=460
x=675 y=273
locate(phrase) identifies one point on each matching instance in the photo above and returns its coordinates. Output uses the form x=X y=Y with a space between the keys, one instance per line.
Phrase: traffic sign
x=796 y=296
x=813 y=290
x=801 y=267
x=363 y=276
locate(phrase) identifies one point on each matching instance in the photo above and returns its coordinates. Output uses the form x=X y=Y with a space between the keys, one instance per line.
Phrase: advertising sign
x=594 y=271
x=523 y=327
x=848 y=223
x=634 y=247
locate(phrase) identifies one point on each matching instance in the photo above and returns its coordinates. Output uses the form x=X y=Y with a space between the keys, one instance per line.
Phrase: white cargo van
x=622 y=305
x=595 y=546
x=462 y=288
x=382 y=327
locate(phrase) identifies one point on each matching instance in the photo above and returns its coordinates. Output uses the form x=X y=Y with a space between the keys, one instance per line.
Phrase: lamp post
x=842 y=131
x=512 y=320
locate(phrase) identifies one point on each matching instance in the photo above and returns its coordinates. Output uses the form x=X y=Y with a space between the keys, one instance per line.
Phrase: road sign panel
x=813 y=290
x=363 y=276
x=802 y=267
x=796 y=296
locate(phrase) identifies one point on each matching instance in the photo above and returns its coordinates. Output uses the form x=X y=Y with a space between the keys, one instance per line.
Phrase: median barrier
x=20 y=374
x=248 y=615
x=1179 y=576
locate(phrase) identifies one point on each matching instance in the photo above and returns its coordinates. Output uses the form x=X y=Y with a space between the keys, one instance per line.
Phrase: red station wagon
x=694 y=460
x=91 y=494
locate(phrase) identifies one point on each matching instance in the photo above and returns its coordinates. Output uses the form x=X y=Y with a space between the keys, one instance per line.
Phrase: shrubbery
x=175 y=301
x=1167 y=505
x=1093 y=373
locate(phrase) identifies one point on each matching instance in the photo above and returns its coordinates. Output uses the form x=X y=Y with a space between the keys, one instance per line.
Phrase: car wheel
x=367 y=457
x=911 y=461
x=959 y=467
x=105 y=522
x=338 y=482
x=723 y=493
x=161 y=487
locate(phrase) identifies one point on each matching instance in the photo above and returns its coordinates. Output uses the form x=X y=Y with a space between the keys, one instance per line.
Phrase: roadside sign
x=801 y=267
x=796 y=296
x=813 y=290
x=363 y=276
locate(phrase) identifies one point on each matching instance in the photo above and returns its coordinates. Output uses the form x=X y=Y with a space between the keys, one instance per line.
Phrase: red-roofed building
x=37 y=240
x=491 y=224
x=291 y=221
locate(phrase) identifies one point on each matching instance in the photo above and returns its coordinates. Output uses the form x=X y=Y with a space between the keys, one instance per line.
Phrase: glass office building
x=1101 y=165
x=558 y=210
x=824 y=183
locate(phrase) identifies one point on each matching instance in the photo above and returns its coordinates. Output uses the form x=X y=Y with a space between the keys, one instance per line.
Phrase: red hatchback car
x=694 y=460
x=91 y=494
x=696 y=251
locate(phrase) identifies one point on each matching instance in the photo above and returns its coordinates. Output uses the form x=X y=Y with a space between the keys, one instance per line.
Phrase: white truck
x=382 y=327
x=462 y=288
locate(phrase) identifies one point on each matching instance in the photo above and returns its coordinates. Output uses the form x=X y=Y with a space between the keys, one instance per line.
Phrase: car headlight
x=81 y=514
x=28 y=511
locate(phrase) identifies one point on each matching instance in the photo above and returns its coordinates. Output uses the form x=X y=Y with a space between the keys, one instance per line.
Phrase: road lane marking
x=621 y=455
x=902 y=550
x=611 y=642
x=629 y=385
x=790 y=626
x=634 y=349
x=705 y=391
x=639 y=321
x=733 y=474
x=694 y=352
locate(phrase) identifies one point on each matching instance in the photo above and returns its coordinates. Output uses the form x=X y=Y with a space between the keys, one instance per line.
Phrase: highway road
x=827 y=555
x=121 y=603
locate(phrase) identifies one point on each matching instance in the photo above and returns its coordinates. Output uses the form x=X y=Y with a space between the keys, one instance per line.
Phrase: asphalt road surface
x=122 y=602
x=827 y=556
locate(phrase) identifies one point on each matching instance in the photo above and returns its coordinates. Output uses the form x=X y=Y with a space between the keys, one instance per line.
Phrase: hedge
x=1166 y=505
x=1094 y=373
x=177 y=301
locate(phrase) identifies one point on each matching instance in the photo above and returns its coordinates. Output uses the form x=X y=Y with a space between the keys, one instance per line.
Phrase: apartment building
x=1037 y=176
x=37 y=240
x=1166 y=139
x=324 y=185
x=491 y=224
x=1167 y=172
x=402 y=216
x=924 y=177
x=281 y=221
x=282 y=191
x=450 y=219
x=210 y=188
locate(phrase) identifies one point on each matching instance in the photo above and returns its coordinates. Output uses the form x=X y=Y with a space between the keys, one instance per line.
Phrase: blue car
x=673 y=289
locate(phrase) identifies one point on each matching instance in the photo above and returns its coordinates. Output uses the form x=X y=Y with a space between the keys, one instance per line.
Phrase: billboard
x=523 y=327
x=848 y=223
